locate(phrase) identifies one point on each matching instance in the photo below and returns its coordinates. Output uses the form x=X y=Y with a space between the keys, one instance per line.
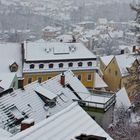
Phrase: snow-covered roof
x=65 y=125
x=102 y=21
x=20 y=101
x=122 y=99
x=116 y=34
x=10 y=53
x=65 y=38
x=51 y=29
x=83 y=39
x=37 y=51
x=4 y=135
x=122 y=47
x=99 y=82
x=27 y=102
x=124 y=61
x=85 y=22
x=6 y=80
x=28 y=121
x=41 y=90
x=54 y=86
x=106 y=59
x=90 y=33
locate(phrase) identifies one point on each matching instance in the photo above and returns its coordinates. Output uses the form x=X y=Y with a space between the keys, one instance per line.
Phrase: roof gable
x=106 y=59
x=124 y=61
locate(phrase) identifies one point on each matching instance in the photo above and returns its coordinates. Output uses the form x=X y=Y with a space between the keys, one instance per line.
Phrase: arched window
x=80 y=64
x=50 y=65
x=41 y=66
x=32 y=66
x=70 y=64
x=61 y=65
x=89 y=64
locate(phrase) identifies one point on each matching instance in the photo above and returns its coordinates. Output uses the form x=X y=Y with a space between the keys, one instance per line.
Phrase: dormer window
x=14 y=67
x=50 y=65
x=80 y=64
x=61 y=65
x=89 y=64
x=41 y=66
x=70 y=64
x=32 y=66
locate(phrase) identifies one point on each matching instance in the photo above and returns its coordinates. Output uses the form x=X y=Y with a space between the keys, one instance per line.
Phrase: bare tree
x=123 y=127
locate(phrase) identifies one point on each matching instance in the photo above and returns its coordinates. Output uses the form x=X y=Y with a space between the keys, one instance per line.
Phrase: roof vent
x=47 y=50
x=72 y=48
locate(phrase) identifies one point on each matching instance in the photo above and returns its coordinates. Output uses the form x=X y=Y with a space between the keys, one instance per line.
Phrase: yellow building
x=43 y=60
x=115 y=72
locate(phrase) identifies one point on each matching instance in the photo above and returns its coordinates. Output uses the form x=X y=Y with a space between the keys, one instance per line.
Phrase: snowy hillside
x=36 y=14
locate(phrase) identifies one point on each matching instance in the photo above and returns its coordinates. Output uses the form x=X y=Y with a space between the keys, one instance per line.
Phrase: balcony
x=98 y=100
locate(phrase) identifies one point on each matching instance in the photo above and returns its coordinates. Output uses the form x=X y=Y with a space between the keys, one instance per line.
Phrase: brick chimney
x=62 y=79
x=134 y=49
x=25 y=124
x=21 y=83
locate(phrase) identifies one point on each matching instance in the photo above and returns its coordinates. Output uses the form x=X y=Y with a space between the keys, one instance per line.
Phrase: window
x=49 y=77
x=116 y=73
x=39 y=79
x=32 y=66
x=41 y=66
x=29 y=80
x=89 y=64
x=14 y=67
x=70 y=64
x=80 y=64
x=79 y=77
x=50 y=65
x=89 y=77
x=109 y=70
x=61 y=65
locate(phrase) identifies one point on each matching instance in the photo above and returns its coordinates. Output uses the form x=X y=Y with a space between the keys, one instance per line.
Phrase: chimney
x=22 y=52
x=62 y=79
x=134 y=49
x=122 y=51
x=21 y=83
x=25 y=124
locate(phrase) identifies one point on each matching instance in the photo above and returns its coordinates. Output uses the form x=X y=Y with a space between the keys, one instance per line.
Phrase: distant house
x=44 y=60
x=66 y=38
x=50 y=32
x=115 y=72
x=102 y=21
